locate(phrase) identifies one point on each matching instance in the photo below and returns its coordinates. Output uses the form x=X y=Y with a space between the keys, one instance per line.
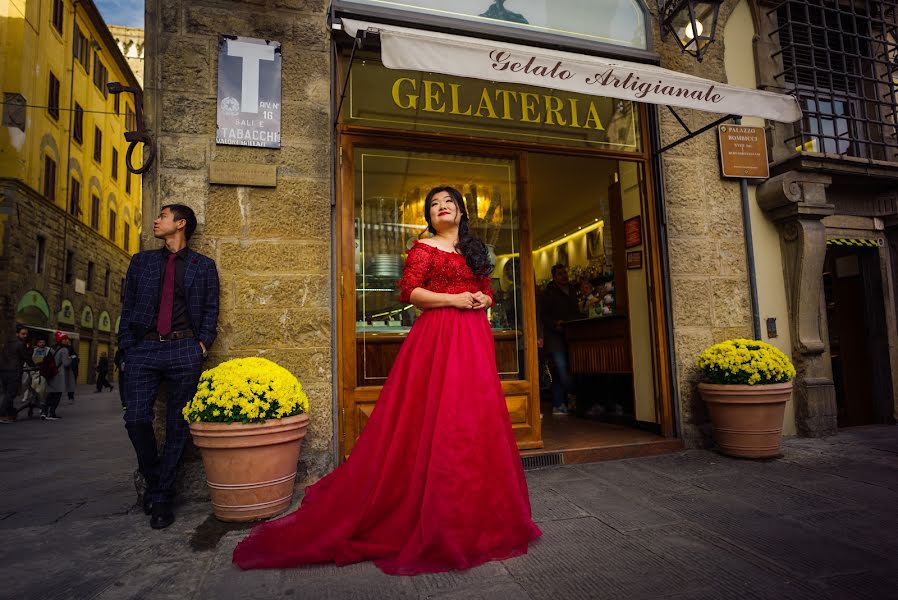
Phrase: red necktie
x=163 y=323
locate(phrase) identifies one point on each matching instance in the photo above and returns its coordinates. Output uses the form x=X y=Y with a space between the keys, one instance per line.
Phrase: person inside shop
x=588 y=300
x=558 y=305
x=435 y=481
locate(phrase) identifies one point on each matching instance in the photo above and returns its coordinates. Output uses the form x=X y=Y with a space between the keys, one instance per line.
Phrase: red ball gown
x=435 y=481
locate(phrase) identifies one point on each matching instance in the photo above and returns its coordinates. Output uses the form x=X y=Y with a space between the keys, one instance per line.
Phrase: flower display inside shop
x=246 y=390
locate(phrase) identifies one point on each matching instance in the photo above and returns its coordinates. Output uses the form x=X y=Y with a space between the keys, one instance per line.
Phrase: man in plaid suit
x=169 y=317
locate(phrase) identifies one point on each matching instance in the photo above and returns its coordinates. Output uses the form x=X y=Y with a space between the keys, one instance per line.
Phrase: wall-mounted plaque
x=249 y=92
x=231 y=173
x=743 y=152
x=633 y=232
x=634 y=259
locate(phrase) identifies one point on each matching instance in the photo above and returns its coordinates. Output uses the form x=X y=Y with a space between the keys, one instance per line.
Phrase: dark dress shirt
x=180 y=319
x=556 y=305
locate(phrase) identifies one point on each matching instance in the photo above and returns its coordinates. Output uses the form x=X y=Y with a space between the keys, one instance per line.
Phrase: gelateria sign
x=381 y=97
x=460 y=56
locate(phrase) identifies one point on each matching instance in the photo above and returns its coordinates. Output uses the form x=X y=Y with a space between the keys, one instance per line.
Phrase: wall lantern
x=692 y=23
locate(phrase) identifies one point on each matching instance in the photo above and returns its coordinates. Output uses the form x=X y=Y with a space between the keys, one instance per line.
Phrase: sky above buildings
x=122 y=12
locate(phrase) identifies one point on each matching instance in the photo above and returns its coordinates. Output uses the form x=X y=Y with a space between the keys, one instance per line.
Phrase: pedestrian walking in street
x=41 y=350
x=435 y=481
x=63 y=381
x=72 y=382
x=13 y=357
x=168 y=322
x=119 y=361
x=103 y=374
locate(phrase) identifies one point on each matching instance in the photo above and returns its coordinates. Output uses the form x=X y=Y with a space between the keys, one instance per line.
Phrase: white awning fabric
x=418 y=50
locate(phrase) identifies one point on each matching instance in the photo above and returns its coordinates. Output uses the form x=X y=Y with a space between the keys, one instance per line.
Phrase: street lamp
x=692 y=23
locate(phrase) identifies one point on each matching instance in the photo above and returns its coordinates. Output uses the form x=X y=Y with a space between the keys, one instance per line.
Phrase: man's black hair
x=556 y=268
x=20 y=327
x=180 y=211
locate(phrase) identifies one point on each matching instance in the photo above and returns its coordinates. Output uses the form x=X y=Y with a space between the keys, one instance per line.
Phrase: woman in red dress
x=435 y=481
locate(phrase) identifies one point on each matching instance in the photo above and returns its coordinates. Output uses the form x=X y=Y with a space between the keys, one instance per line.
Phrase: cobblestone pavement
x=821 y=522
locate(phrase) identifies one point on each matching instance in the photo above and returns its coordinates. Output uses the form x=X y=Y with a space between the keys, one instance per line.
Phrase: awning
x=419 y=50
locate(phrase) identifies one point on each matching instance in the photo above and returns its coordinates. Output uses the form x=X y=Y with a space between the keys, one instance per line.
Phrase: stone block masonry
x=272 y=245
x=708 y=276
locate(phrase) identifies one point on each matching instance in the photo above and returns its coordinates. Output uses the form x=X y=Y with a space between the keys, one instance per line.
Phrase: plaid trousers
x=148 y=364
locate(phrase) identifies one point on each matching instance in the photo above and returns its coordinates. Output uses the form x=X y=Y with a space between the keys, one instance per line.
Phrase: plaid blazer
x=140 y=298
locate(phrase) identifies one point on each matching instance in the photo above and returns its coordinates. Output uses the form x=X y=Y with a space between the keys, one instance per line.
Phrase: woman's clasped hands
x=471 y=301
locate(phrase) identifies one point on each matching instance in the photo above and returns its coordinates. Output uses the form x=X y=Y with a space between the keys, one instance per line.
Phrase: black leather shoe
x=147 y=505
x=162 y=515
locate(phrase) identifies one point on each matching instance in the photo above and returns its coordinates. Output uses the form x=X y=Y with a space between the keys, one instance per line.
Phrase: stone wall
x=272 y=245
x=708 y=275
x=24 y=215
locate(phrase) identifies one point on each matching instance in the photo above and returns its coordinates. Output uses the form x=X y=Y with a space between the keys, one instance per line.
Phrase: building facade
x=309 y=266
x=130 y=42
x=71 y=210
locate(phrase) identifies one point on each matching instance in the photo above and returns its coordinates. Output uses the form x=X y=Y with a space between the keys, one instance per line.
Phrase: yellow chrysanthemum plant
x=246 y=390
x=742 y=361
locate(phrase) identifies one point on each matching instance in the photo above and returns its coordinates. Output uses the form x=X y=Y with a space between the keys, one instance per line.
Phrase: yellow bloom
x=745 y=361
x=246 y=390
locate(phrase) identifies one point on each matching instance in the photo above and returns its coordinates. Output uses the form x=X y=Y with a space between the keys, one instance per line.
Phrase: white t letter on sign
x=251 y=55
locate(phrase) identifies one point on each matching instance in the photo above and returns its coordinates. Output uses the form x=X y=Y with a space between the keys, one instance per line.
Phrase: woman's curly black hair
x=469 y=245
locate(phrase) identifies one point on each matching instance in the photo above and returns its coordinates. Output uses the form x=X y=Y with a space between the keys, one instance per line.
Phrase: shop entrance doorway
x=534 y=210
x=591 y=257
x=855 y=319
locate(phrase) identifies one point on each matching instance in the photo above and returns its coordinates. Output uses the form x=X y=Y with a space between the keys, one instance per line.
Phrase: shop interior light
x=691 y=22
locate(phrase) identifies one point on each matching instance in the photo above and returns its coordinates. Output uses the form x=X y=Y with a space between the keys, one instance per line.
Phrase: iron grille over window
x=841 y=60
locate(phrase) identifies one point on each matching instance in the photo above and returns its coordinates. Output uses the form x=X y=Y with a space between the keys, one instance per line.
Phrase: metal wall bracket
x=357 y=44
x=691 y=134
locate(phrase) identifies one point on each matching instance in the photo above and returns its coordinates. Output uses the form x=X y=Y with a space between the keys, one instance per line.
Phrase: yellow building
x=59 y=55
x=69 y=208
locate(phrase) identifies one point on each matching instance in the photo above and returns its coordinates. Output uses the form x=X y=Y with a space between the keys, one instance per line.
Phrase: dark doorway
x=858 y=342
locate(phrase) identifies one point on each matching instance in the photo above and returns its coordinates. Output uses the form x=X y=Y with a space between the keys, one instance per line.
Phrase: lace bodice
x=439 y=271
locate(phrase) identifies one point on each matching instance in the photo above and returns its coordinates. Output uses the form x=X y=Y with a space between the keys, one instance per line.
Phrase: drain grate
x=542 y=460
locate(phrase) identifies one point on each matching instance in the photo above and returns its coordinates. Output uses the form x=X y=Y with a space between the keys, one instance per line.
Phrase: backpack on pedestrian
x=48 y=367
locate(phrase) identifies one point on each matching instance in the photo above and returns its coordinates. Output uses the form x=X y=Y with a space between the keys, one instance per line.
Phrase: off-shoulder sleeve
x=417 y=268
x=486 y=287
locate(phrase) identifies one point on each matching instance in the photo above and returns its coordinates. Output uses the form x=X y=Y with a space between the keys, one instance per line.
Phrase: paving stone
x=692 y=464
x=802 y=550
x=768 y=496
x=868 y=585
x=632 y=476
x=548 y=505
x=436 y=584
x=857 y=494
x=734 y=571
x=546 y=477
x=583 y=558
x=502 y=591
x=876 y=532
x=617 y=509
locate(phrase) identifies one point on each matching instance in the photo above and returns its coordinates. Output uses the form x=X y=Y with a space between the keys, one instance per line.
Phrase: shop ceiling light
x=692 y=23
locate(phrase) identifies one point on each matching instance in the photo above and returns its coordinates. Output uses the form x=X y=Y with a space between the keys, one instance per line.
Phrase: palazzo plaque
x=743 y=152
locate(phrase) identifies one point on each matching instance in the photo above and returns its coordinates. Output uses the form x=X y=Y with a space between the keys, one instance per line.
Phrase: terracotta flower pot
x=250 y=467
x=747 y=419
